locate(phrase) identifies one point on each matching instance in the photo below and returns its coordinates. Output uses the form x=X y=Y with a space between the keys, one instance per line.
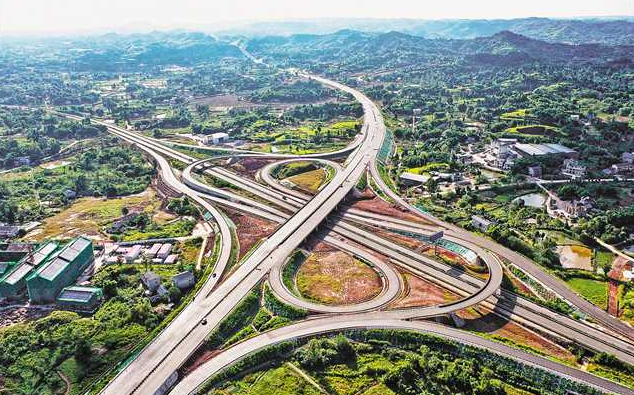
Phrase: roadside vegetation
x=79 y=347
x=384 y=362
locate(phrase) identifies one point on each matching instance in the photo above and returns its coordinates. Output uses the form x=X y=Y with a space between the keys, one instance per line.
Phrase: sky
x=39 y=17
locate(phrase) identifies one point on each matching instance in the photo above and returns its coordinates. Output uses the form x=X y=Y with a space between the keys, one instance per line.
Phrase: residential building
x=559 y=150
x=411 y=179
x=22 y=161
x=505 y=163
x=480 y=223
x=70 y=194
x=574 y=168
x=15 y=252
x=165 y=250
x=502 y=147
x=171 y=259
x=9 y=232
x=78 y=298
x=627 y=157
x=503 y=155
x=133 y=254
x=152 y=251
x=151 y=281
x=60 y=270
x=620 y=168
x=216 y=138
x=118 y=225
x=184 y=280
x=4 y=266
x=576 y=208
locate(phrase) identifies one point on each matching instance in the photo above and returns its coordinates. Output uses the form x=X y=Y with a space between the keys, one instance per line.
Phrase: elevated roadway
x=527 y=265
x=508 y=305
x=154 y=368
x=197 y=378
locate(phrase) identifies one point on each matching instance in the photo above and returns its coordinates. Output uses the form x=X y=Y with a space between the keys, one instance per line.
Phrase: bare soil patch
x=197 y=360
x=482 y=320
x=421 y=293
x=379 y=206
x=613 y=298
x=619 y=265
x=89 y=215
x=250 y=166
x=337 y=278
x=250 y=230
x=518 y=284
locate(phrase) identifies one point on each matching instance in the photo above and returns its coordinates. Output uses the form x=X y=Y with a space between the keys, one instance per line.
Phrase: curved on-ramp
x=521 y=261
x=191 y=383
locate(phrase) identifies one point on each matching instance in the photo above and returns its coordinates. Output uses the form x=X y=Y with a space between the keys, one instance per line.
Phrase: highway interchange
x=154 y=369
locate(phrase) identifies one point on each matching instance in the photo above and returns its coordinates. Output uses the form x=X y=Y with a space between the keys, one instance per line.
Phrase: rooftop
x=18 y=273
x=9 y=231
x=414 y=177
x=78 y=294
x=543 y=149
x=67 y=254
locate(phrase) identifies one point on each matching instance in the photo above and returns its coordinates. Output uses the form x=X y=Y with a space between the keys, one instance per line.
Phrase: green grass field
x=603 y=258
x=592 y=290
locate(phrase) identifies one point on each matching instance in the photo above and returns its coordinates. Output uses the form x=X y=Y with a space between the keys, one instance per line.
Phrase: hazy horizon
x=70 y=17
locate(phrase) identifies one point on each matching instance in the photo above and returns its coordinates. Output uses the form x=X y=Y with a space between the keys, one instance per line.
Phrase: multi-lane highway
x=520 y=260
x=506 y=305
x=153 y=370
x=155 y=366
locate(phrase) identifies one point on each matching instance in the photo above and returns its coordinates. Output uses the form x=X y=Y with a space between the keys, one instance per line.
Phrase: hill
x=571 y=31
x=357 y=50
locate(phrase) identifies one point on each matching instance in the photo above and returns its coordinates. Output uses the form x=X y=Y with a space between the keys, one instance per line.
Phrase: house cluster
x=154 y=288
x=504 y=152
x=625 y=166
x=574 y=169
x=157 y=253
x=10 y=232
x=571 y=208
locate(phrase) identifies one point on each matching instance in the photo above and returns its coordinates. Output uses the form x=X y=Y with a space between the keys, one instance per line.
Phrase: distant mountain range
x=502 y=47
x=350 y=49
x=618 y=31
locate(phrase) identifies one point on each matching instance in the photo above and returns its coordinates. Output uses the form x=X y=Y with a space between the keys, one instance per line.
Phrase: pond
x=575 y=257
x=536 y=200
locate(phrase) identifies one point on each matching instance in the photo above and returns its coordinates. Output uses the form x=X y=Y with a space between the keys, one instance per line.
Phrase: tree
x=83 y=351
x=147 y=263
x=175 y=294
x=110 y=288
x=344 y=348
